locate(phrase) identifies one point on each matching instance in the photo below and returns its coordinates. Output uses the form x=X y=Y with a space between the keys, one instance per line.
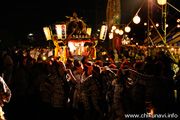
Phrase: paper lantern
x=127 y=29
x=110 y=35
x=113 y=27
x=157 y=24
x=178 y=25
x=162 y=2
x=61 y=31
x=47 y=33
x=117 y=31
x=121 y=32
x=103 y=32
x=178 y=20
x=136 y=19
x=89 y=31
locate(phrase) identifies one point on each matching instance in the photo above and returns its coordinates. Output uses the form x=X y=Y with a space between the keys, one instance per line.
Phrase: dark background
x=18 y=19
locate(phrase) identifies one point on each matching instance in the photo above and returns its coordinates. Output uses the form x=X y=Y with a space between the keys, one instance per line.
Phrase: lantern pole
x=164 y=17
x=148 y=31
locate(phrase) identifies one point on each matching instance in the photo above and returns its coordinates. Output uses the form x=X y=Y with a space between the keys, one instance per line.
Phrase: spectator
x=118 y=108
x=77 y=100
x=59 y=89
x=160 y=94
x=86 y=81
x=92 y=93
x=96 y=93
x=8 y=67
x=1 y=64
x=149 y=66
x=167 y=61
x=99 y=62
x=45 y=93
x=178 y=87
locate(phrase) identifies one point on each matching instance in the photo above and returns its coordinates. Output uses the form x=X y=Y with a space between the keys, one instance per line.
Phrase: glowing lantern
x=167 y=25
x=117 y=31
x=178 y=25
x=113 y=27
x=61 y=31
x=110 y=35
x=103 y=32
x=121 y=32
x=127 y=29
x=89 y=31
x=104 y=53
x=162 y=2
x=47 y=33
x=178 y=20
x=44 y=58
x=157 y=24
x=136 y=19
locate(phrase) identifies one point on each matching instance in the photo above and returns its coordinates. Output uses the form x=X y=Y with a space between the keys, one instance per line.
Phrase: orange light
x=89 y=31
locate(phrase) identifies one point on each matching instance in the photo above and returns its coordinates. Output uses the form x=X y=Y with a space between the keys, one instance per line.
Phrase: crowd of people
x=85 y=89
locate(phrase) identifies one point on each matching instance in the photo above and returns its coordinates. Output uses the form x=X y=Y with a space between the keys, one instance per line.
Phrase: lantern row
x=136 y=19
x=61 y=32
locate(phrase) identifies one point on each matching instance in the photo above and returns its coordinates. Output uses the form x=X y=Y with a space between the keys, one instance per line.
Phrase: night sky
x=17 y=19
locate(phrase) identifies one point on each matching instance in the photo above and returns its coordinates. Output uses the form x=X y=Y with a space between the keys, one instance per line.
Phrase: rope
x=136 y=13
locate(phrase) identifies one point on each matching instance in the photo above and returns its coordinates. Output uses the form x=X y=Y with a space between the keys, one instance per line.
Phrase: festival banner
x=118 y=12
x=113 y=12
x=117 y=42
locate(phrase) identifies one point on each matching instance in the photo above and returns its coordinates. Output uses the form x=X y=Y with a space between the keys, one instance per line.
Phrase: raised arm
x=73 y=79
